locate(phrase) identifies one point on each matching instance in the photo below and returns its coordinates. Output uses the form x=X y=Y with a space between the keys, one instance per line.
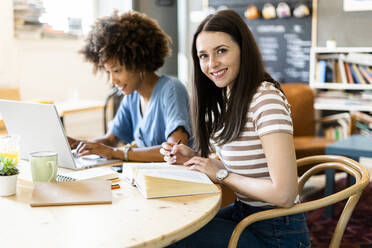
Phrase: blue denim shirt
x=167 y=110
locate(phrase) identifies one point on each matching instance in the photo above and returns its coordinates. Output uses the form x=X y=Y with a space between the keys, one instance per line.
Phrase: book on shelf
x=337 y=73
x=337 y=126
x=366 y=95
x=366 y=118
x=365 y=72
x=156 y=180
x=359 y=58
x=334 y=133
x=342 y=69
x=370 y=70
x=333 y=71
x=363 y=128
x=330 y=71
x=322 y=67
x=350 y=79
x=363 y=123
x=358 y=75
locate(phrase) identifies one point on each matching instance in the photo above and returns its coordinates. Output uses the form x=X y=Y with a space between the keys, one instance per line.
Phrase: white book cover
x=342 y=68
x=359 y=58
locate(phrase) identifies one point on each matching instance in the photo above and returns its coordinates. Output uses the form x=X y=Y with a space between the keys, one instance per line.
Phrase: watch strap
x=125 y=151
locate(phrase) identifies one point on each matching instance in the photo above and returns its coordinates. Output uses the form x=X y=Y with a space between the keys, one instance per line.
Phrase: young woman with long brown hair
x=239 y=106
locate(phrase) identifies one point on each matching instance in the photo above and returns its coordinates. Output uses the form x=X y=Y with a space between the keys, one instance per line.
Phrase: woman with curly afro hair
x=155 y=109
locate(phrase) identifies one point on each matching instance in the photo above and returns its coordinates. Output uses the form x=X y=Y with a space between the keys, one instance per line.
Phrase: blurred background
x=39 y=42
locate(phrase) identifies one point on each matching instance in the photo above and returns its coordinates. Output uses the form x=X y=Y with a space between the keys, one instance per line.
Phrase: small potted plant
x=8 y=176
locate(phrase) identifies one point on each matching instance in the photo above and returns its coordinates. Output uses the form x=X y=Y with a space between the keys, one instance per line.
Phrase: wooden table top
x=130 y=221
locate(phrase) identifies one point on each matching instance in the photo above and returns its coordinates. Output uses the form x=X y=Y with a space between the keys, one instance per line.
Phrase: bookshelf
x=26 y=18
x=341 y=78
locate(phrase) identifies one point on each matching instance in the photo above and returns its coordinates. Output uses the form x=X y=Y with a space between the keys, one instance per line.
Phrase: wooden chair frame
x=320 y=163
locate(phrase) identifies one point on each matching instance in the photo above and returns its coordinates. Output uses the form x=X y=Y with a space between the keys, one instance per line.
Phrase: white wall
x=50 y=69
x=186 y=28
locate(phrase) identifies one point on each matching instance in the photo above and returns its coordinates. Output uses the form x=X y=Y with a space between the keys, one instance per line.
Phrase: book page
x=152 y=166
x=130 y=170
x=182 y=175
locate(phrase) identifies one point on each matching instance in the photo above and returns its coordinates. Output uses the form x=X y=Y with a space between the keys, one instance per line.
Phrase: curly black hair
x=132 y=39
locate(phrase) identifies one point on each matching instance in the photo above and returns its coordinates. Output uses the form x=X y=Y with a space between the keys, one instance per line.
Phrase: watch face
x=222 y=174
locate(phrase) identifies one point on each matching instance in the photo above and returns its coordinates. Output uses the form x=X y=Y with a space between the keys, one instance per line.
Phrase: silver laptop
x=40 y=129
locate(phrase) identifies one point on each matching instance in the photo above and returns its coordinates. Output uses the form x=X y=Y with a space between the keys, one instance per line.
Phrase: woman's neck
x=148 y=85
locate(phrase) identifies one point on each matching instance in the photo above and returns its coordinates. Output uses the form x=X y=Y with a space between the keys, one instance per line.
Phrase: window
x=61 y=19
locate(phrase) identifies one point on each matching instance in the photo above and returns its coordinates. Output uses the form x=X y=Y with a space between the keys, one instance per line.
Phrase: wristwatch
x=125 y=150
x=221 y=174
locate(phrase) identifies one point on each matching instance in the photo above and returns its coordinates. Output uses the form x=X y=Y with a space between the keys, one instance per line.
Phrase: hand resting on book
x=207 y=166
x=181 y=154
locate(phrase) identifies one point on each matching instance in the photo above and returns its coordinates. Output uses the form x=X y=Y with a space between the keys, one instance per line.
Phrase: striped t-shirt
x=268 y=113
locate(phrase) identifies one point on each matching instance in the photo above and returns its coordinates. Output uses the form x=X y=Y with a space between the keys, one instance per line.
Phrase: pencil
x=178 y=142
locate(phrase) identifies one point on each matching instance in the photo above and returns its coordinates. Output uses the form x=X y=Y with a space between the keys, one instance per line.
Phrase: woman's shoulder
x=266 y=88
x=171 y=84
x=268 y=91
x=169 y=80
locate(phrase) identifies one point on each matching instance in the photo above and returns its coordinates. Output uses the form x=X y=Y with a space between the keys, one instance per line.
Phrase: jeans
x=287 y=232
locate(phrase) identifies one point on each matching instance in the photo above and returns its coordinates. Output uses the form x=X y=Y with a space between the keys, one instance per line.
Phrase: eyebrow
x=214 y=49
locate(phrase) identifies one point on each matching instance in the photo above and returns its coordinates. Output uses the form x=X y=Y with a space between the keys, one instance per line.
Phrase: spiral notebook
x=105 y=173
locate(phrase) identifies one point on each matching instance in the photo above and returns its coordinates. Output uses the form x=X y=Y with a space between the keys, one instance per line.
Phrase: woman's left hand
x=205 y=165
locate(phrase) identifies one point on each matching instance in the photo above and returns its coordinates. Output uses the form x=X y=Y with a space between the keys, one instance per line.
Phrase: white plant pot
x=8 y=185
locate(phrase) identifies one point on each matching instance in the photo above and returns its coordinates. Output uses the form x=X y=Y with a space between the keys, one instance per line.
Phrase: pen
x=115 y=186
x=178 y=142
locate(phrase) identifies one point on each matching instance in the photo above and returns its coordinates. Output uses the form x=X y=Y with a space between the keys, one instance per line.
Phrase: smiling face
x=125 y=80
x=219 y=57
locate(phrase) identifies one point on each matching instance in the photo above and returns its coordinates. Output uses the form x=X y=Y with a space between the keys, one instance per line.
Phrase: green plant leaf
x=7 y=167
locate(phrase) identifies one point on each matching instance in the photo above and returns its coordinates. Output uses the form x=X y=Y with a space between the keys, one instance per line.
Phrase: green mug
x=44 y=166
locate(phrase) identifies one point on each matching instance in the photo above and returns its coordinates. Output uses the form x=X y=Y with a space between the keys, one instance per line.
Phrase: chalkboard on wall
x=284 y=42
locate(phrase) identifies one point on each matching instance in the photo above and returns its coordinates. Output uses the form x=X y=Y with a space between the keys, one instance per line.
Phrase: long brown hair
x=215 y=113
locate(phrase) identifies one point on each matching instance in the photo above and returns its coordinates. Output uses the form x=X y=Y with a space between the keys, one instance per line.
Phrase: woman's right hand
x=73 y=142
x=176 y=154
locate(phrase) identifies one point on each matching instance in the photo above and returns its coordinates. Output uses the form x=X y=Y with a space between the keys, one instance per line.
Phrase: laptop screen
x=39 y=127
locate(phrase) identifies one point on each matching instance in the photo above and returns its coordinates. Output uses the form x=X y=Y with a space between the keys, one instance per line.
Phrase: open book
x=155 y=180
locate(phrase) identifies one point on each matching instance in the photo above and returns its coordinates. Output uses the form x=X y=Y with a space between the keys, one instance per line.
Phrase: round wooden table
x=130 y=221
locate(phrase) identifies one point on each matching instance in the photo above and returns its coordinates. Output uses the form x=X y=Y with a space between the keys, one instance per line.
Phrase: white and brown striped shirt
x=269 y=112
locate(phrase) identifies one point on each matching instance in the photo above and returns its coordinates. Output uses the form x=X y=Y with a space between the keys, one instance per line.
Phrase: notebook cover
x=71 y=193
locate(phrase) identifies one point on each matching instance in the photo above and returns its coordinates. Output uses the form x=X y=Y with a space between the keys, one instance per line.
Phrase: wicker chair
x=319 y=164
x=306 y=142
